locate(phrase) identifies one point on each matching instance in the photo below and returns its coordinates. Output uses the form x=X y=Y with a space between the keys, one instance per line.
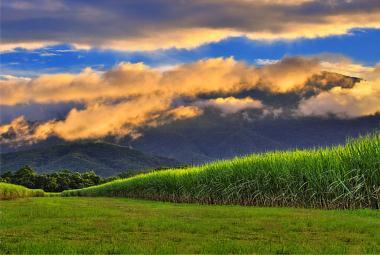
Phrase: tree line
x=64 y=179
x=53 y=182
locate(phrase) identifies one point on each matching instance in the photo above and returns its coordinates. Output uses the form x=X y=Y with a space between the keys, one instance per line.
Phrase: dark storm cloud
x=162 y=23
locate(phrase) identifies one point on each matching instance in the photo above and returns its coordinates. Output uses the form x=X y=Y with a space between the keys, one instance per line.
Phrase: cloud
x=129 y=80
x=48 y=54
x=36 y=112
x=231 y=104
x=20 y=131
x=102 y=119
x=360 y=100
x=120 y=101
x=345 y=66
x=130 y=25
x=5 y=77
x=289 y=74
x=185 y=112
x=263 y=62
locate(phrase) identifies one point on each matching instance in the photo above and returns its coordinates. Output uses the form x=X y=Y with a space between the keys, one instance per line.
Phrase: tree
x=25 y=176
x=91 y=178
x=53 y=182
x=6 y=177
x=46 y=182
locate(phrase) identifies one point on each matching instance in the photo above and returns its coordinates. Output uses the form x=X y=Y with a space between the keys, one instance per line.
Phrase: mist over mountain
x=211 y=136
x=208 y=137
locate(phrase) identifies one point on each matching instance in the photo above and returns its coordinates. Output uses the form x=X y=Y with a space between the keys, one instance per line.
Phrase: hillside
x=103 y=158
x=212 y=137
x=338 y=177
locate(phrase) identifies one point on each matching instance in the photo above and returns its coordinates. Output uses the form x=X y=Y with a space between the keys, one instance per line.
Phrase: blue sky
x=358 y=45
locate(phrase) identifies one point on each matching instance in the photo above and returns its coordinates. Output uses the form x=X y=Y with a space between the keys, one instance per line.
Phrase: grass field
x=339 y=177
x=11 y=191
x=67 y=225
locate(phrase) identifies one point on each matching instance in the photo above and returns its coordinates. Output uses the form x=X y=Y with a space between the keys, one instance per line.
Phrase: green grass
x=11 y=191
x=67 y=225
x=339 y=177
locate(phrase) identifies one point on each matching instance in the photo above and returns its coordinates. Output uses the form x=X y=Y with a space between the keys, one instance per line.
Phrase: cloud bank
x=360 y=100
x=149 y=25
x=120 y=101
x=136 y=80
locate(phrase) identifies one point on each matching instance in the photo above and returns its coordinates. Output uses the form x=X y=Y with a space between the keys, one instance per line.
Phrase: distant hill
x=211 y=136
x=103 y=158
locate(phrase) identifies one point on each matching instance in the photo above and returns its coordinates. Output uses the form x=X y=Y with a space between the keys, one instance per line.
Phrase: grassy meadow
x=339 y=177
x=69 y=225
x=110 y=220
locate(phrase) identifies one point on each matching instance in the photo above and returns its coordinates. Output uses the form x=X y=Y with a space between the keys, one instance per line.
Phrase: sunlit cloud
x=231 y=104
x=7 y=47
x=346 y=67
x=129 y=96
x=361 y=100
x=20 y=131
x=131 y=80
x=120 y=101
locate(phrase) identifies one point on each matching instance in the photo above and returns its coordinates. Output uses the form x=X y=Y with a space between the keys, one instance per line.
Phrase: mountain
x=213 y=136
x=104 y=158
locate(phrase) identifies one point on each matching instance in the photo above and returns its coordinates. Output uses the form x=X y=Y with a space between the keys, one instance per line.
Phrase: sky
x=65 y=63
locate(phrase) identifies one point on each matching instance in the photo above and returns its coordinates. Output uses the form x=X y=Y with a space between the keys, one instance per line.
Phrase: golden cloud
x=231 y=104
x=129 y=96
x=19 y=131
x=129 y=80
x=360 y=100
x=288 y=74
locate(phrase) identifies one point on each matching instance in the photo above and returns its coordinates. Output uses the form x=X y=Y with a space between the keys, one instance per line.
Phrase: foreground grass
x=11 y=191
x=339 y=177
x=59 y=225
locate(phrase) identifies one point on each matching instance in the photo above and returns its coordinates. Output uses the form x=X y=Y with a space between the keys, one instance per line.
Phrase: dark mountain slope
x=104 y=158
x=225 y=137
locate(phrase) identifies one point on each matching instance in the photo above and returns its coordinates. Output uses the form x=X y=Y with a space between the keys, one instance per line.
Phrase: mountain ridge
x=104 y=158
